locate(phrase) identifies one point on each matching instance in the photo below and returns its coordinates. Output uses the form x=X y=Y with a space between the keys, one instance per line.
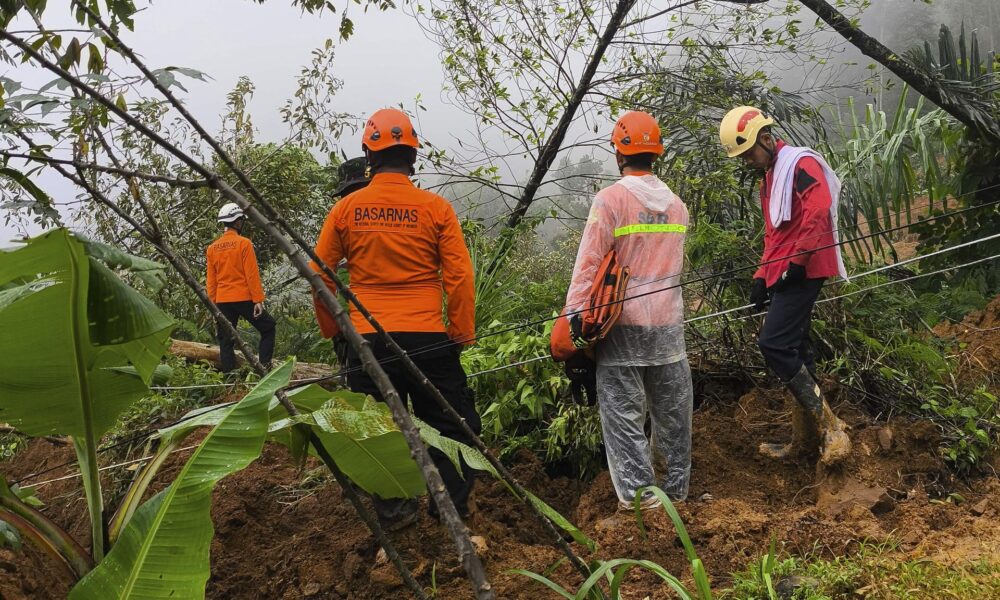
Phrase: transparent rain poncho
x=645 y=223
x=625 y=395
x=642 y=362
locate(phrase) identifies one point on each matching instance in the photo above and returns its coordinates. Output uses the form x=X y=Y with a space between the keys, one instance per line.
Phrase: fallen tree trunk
x=196 y=351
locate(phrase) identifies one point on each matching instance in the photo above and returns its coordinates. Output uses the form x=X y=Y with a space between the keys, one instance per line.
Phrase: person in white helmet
x=233 y=282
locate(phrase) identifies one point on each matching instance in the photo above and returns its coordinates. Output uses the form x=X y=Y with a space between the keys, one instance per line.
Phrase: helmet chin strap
x=770 y=152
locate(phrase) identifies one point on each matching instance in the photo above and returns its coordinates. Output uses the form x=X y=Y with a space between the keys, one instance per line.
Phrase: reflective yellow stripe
x=650 y=228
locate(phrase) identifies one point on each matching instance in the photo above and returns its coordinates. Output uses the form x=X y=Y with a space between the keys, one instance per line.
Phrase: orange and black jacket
x=404 y=249
x=233 y=275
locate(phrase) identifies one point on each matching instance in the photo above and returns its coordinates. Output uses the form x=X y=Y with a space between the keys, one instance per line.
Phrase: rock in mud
x=480 y=543
x=788 y=586
x=310 y=589
x=885 y=438
x=855 y=493
x=979 y=509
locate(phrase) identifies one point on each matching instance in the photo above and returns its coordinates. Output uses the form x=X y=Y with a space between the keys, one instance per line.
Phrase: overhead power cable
x=707 y=277
x=433 y=347
x=700 y=279
x=547 y=357
x=107 y=468
x=761 y=313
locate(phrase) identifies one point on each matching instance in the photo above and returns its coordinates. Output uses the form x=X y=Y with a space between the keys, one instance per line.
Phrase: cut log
x=196 y=351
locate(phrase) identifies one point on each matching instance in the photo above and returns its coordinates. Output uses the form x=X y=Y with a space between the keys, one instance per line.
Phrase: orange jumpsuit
x=233 y=283
x=404 y=249
x=233 y=275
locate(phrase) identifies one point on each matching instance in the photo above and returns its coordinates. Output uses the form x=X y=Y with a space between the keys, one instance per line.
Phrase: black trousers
x=443 y=368
x=784 y=336
x=264 y=324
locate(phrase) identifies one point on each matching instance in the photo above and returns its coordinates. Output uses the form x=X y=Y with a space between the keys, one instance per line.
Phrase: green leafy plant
x=75 y=373
x=909 y=370
x=163 y=550
x=95 y=352
x=529 y=407
x=613 y=571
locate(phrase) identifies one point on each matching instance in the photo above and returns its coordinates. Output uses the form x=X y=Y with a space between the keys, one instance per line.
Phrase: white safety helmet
x=230 y=212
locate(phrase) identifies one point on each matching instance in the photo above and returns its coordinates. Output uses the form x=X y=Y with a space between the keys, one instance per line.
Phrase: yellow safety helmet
x=740 y=128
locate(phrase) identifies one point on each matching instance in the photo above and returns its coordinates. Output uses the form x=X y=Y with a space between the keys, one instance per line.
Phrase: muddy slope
x=278 y=538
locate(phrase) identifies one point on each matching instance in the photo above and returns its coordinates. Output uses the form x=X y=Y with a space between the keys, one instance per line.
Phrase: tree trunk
x=195 y=351
x=953 y=102
x=548 y=153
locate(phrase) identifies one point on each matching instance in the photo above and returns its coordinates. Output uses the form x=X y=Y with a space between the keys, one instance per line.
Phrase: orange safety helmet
x=637 y=132
x=386 y=128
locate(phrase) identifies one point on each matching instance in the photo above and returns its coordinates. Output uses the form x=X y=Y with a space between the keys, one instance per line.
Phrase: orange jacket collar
x=397 y=178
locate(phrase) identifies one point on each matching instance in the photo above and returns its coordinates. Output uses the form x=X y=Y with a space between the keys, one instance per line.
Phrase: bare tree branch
x=48 y=160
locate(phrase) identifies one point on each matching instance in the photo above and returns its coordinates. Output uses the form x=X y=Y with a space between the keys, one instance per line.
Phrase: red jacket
x=232 y=274
x=809 y=232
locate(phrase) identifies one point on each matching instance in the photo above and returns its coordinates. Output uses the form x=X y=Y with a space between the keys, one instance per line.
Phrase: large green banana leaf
x=77 y=350
x=163 y=552
x=282 y=431
x=357 y=431
x=362 y=438
x=62 y=344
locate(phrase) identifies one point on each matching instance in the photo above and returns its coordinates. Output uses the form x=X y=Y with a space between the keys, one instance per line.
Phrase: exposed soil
x=978 y=336
x=275 y=540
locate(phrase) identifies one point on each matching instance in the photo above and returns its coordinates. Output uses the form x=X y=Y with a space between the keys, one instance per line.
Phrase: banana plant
x=361 y=436
x=163 y=551
x=357 y=431
x=109 y=353
x=79 y=347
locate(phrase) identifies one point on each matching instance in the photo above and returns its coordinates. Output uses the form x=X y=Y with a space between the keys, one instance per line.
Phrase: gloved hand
x=758 y=294
x=795 y=273
x=576 y=332
x=582 y=373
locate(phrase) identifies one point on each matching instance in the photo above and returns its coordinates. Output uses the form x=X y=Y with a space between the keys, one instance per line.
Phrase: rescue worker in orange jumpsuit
x=353 y=175
x=642 y=364
x=405 y=252
x=233 y=282
x=799 y=196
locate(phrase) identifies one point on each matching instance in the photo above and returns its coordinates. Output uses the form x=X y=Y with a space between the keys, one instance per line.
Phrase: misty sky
x=387 y=61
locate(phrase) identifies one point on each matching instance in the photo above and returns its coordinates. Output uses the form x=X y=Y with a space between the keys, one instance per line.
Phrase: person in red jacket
x=799 y=197
x=233 y=282
x=405 y=252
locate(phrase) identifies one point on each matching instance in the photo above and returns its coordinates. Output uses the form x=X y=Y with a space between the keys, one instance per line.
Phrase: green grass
x=11 y=444
x=876 y=573
x=158 y=406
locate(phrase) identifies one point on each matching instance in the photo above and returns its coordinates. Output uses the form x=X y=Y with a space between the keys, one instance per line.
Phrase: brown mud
x=978 y=339
x=278 y=538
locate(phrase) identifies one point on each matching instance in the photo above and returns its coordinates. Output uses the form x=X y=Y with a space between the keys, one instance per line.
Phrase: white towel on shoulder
x=783 y=185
